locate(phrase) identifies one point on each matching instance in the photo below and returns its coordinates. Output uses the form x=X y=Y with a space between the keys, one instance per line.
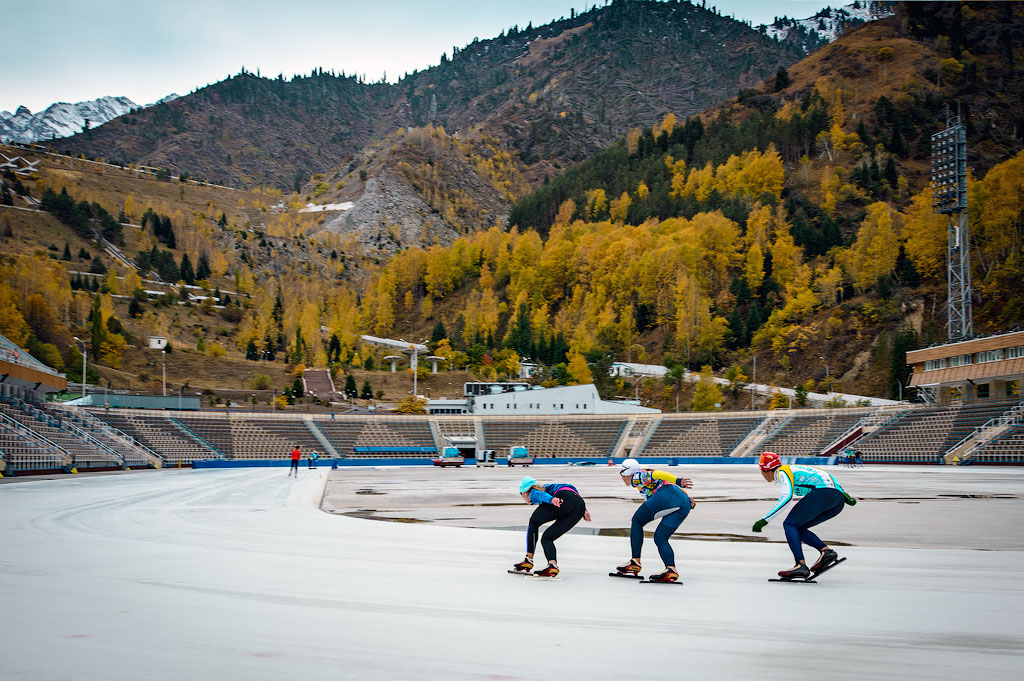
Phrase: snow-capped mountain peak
x=61 y=119
x=827 y=25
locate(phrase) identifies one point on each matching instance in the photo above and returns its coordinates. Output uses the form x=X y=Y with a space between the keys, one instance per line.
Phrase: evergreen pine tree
x=438 y=333
x=67 y=252
x=367 y=391
x=251 y=351
x=889 y=174
x=187 y=275
x=203 y=268
x=350 y=387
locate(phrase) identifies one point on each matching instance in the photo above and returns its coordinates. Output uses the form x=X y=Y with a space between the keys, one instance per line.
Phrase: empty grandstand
x=555 y=437
x=926 y=435
x=801 y=434
x=403 y=436
x=704 y=435
x=84 y=450
x=158 y=433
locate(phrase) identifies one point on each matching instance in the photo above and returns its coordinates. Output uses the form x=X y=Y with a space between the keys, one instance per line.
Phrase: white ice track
x=225 y=575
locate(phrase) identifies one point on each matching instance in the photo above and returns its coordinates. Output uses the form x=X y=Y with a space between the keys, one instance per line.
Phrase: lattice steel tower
x=949 y=196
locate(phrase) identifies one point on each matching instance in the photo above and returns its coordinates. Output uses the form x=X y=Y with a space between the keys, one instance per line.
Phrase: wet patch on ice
x=371 y=514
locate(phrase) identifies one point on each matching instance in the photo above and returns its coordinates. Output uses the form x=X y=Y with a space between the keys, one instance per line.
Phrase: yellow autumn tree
x=924 y=235
x=579 y=369
x=876 y=248
x=619 y=208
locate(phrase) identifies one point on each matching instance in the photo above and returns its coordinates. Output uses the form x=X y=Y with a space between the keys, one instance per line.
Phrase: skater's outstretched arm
x=668 y=477
x=784 y=478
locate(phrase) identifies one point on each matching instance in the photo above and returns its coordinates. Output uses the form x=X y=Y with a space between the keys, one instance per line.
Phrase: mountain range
x=63 y=119
x=551 y=94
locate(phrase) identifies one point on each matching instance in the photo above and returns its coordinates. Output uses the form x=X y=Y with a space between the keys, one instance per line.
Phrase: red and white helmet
x=769 y=461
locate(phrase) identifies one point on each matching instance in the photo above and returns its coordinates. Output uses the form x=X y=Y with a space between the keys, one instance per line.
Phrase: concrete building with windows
x=522 y=399
x=979 y=368
x=632 y=369
x=570 y=399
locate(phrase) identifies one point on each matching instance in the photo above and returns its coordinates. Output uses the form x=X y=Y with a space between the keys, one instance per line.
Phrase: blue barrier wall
x=646 y=462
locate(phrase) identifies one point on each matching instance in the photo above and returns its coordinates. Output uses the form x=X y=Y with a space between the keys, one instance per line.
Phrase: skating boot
x=630 y=568
x=669 y=575
x=799 y=571
x=525 y=566
x=828 y=558
x=549 y=571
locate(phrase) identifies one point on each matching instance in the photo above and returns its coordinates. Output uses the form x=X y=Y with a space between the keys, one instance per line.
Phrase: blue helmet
x=526 y=483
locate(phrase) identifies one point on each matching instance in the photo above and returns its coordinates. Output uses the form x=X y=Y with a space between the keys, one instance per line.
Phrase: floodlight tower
x=949 y=197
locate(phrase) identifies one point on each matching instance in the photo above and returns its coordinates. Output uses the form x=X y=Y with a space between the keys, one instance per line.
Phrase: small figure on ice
x=822 y=498
x=558 y=502
x=665 y=499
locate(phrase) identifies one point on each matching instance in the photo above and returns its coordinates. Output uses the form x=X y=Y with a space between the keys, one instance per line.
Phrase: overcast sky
x=74 y=50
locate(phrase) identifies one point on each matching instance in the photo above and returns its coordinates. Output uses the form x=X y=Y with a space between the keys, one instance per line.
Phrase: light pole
x=85 y=361
x=179 y=398
x=163 y=369
x=827 y=381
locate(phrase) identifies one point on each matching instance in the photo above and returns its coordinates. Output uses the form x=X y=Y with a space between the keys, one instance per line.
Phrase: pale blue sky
x=73 y=50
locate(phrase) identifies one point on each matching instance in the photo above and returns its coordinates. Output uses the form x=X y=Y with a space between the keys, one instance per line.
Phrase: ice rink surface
x=239 y=574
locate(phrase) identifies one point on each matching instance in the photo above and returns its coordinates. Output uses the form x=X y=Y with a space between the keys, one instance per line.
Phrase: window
x=1015 y=353
x=960 y=361
x=933 y=364
x=990 y=356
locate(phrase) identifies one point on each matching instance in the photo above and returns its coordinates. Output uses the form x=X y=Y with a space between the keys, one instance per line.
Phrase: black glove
x=759 y=525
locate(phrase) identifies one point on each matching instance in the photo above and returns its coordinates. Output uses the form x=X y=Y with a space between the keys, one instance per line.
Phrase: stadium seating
x=704 y=436
x=240 y=436
x=557 y=437
x=926 y=435
x=1007 y=448
x=133 y=452
x=159 y=434
x=975 y=414
x=346 y=433
x=809 y=434
x=85 y=451
x=915 y=435
x=23 y=451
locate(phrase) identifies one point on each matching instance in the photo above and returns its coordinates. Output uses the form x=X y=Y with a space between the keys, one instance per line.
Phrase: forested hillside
x=793 y=222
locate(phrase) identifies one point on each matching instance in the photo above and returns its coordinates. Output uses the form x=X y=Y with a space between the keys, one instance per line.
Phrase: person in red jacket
x=296 y=455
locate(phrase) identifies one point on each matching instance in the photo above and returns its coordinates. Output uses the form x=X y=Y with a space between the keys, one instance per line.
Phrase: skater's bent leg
x=540 y=516
x=666 y=527
x=641 y=517
x=677 y=505
x=814 y=509
x=569 y=513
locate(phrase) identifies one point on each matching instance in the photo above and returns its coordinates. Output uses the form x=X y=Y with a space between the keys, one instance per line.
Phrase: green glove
x=848 y=500
x=759 y=525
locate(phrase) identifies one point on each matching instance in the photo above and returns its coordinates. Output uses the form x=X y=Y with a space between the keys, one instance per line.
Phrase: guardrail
x=1015 y=417
x=68 y=459
x=108 y=430
x=15 y=357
